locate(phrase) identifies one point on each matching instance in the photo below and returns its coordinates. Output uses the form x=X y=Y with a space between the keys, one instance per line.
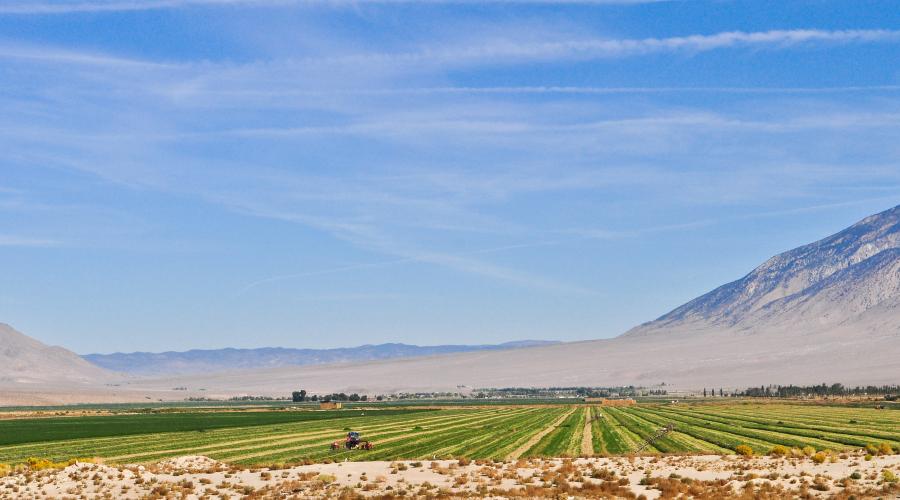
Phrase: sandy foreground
x=707 y=476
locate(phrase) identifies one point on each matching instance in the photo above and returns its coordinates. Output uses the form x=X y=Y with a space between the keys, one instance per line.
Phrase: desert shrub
x=809 y=451
x=856 y=476
x=35 y=463
x=743 y=450
x=888 y=476
x=38 y=463
x=326 y=478
x=868 y=458
x=885 y=449
x=871 y=449
x=604 y=474
x=819 y=457
x=780 y=451
x=5 y=469
x=820 y=485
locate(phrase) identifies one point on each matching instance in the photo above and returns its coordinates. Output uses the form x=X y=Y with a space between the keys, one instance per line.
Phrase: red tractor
x=351 y=442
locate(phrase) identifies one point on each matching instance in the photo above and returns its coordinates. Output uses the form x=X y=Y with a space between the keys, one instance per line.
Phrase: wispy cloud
x=377 y=237
x=343 y=167
x=497 y=50
x=56 y=55
x=9 y=240
x=71 y=7
x=514 y=51
x=459 y=260
x=351 y=297
x=604 y=90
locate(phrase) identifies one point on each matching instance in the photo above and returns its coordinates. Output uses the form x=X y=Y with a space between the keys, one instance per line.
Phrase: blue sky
x=207 y=173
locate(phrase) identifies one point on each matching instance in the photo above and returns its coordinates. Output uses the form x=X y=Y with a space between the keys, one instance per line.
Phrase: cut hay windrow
x=565 y=440
x=307 y=435
x=515 y=436
x=608 y=437
x=634 y=433
x=425 y=442
x=721 y=437
x=760 y=440
x=844 y=431
x=472 y=431
x=525 y=447
x=675 y=441
x=156 y=446
x=385 y=442
x=484 y=437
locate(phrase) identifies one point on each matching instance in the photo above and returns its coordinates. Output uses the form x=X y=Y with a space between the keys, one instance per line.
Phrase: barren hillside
x=25 y=360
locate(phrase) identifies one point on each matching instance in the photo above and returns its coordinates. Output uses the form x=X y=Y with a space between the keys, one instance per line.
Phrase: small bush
x=744 y=450
x=885 y=449
x=820 y=485
x=888 y=476
x=780 y=451
x=856 y=476
x=871 y=449
x=326 y=478
x=809 y=451
x=819 y=457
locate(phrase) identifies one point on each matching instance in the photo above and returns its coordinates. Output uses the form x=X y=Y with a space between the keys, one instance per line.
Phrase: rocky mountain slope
x=828 y=282
x=215 y=360
x=24 y=360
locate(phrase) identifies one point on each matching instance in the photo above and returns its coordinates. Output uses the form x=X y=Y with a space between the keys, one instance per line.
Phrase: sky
x=180 y=174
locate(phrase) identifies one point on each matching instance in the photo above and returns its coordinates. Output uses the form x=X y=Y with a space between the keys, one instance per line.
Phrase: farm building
x=330 y=405
x=611 y=401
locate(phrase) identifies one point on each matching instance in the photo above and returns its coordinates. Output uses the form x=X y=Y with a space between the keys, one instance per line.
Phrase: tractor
x=352 y=441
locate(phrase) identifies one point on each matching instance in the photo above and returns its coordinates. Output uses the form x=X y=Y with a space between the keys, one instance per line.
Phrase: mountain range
x=217 y=360
x=828 y=311
x=823 y=312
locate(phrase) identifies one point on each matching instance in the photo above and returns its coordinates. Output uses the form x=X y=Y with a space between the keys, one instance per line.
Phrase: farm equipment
x=352 y=441
x=660 y=433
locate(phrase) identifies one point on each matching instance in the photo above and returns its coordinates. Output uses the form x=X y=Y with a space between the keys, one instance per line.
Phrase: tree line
x=579 y=392
x=302 y=396
x=821 y=390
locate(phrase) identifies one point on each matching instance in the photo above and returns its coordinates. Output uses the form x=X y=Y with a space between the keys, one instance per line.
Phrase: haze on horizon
x=202 y=173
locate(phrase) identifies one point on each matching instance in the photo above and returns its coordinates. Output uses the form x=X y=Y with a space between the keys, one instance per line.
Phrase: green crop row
x=499 y=431
x=34 y=430
x=160 y=445
x=565 y=440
